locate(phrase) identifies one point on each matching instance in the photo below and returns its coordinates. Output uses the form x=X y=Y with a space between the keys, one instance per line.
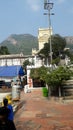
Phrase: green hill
x=25 y=42
x=21 y=43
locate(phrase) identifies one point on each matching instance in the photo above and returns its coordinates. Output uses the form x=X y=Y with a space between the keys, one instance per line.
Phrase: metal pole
x=50 y=36
x=48 y=6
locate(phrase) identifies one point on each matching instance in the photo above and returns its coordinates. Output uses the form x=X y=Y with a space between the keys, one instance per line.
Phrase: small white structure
x=26 y=89
x=15 y=92
x=67 y=60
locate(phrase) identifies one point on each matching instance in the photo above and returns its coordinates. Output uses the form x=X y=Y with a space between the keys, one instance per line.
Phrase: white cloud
x=34 y=4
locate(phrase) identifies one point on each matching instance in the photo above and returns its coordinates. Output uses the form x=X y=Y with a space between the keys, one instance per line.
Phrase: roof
x=11 y=71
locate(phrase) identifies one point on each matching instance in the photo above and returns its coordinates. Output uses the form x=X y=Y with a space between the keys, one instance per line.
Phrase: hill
x=25 y=42
x=21 y=43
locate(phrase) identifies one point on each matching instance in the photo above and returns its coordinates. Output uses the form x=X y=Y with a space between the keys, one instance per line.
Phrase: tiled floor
x=39 y=113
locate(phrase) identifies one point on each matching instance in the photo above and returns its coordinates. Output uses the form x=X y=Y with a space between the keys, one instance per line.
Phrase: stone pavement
x=40 y=113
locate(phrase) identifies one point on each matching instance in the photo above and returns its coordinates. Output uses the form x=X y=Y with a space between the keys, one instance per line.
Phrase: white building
x=12 y=59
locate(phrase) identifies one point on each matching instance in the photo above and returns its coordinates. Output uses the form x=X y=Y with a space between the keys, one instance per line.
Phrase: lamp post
x=48 y=6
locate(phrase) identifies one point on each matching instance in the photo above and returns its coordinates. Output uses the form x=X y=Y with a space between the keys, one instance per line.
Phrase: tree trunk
x=47 y=86
x=59 y=91
x=49 y=93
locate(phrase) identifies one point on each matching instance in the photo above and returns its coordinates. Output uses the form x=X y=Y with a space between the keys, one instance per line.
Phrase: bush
x=45 y=92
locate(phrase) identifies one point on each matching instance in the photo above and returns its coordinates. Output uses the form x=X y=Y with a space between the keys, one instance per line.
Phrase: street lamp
x=48 y=6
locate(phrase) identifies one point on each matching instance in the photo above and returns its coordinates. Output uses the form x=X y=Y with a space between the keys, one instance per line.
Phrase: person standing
x=10 y=108
x=5 y=124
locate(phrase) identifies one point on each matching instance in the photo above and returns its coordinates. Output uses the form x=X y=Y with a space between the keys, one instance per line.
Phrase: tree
x=25 y=63
x=53 y=78
x=58 y=45
x=4 y=50
x=69 y=53
x=34 y=73
x=58 y=76
x=39 y=73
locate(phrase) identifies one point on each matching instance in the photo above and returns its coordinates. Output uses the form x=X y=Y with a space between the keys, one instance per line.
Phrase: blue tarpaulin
x=11 y=71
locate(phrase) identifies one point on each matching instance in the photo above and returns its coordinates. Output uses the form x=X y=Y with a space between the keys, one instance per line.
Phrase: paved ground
x=39 y=113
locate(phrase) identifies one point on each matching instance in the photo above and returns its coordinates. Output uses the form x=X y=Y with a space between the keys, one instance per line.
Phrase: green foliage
x=25 y=63
x=4 y=50
x=56 y=60
x=58 y=76
x=34 y=73
x=45 y=92
x=42 y=71
x=46 y=50
x=21 y=43
x=69 y=53
x=39 y=73
x=54 y=77
x=58 y=45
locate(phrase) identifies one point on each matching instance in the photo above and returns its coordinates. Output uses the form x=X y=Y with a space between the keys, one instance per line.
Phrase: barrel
x=15 y=92
x=68 y=88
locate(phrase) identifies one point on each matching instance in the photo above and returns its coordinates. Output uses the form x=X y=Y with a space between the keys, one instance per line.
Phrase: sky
x=27 y=16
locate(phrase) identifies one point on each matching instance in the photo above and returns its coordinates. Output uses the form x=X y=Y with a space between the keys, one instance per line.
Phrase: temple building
x=43 y=36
